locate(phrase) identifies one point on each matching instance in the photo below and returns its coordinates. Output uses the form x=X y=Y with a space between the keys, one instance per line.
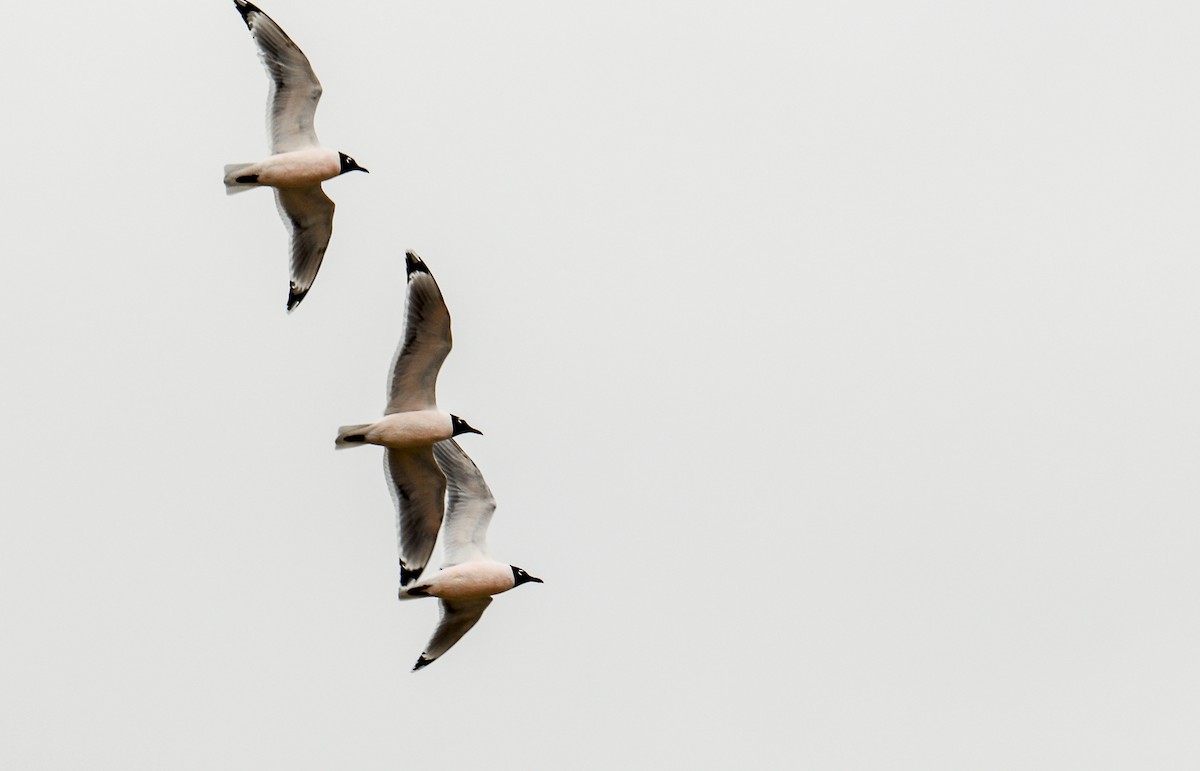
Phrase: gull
x=468 y=577
x=297 y=164
x=412 y=422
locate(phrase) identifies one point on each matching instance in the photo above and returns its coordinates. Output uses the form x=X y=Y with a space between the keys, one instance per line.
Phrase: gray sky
x=837 y=366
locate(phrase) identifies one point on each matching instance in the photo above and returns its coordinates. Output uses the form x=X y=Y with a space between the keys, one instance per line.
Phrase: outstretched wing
x=424 y=345
x=295 y=90
x=418 y=490
x=457 y=619
x=469 y=505
x=308 y=214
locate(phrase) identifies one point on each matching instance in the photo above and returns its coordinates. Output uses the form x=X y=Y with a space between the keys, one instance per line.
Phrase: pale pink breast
x=410 y=429
x=300 y=168
x=472 y=581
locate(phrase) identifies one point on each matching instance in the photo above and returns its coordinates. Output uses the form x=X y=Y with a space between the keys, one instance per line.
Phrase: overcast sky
x=837 y=364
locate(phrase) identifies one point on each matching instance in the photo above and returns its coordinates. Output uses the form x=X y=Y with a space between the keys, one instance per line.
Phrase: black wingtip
x=245 y=9
x=408 y=575
x=294 y=298
x=415 y=264
x=422 y=662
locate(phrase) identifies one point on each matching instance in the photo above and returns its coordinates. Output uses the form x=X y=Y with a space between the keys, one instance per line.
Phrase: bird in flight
x=468 y=578
x=298 y=164
x=412 y=422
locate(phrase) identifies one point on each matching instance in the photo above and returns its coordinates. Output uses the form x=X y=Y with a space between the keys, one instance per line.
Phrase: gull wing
x=418 y=489
x=469 y=505
x=295 y=90
x=424 y=345
x=308 y=214
x=457 y=619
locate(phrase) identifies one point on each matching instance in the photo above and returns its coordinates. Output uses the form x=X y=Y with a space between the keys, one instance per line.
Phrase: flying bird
x=468 y=578
x=297 y=164
x=412 y=422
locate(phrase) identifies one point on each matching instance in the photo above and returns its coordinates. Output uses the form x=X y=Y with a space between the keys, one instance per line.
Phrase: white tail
x=232 y=172
x=351 y=436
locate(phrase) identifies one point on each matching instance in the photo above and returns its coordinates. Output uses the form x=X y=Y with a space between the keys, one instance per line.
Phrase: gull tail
x=351 y=436
x=237 y=180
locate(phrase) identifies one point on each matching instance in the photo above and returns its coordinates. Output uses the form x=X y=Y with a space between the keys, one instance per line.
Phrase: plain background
x=837 y=365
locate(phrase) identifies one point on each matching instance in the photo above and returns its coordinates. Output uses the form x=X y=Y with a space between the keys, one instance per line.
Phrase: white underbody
x=402 y=430
x=468 y=581
x=299 y=168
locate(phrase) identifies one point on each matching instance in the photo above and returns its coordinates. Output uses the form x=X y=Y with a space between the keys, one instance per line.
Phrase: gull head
x=349 y=164
x=521 y=577
x=460 y=426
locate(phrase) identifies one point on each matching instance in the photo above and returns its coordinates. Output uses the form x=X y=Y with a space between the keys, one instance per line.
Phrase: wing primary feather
x=307 y=213
x=469 y=505
x=295 y=90
x=418 y=489
x=457 y=619
x=414 y=264
x=424 y=344
x=245 y=9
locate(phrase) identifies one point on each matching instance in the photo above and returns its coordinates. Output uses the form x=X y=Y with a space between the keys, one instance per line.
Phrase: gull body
x=468 y=578
x=468 y=581
x=405 y=430
x=299 y=168
x=412 y=422
x=298 y=164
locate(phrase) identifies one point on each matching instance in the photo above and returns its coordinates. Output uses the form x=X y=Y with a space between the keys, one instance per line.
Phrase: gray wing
x=308 y=214
x=418 y=489
x=469 y=505
x=295 y=90
x=424 y=345
x=457 y=619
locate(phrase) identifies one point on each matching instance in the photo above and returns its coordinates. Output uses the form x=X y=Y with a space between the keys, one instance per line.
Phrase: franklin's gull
x=412 y=422
x=297 y=164
x=468 y=577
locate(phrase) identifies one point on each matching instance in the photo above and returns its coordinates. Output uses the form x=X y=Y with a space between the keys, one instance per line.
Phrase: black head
x=349 y=164
x=460 y=426
x=521 y=577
